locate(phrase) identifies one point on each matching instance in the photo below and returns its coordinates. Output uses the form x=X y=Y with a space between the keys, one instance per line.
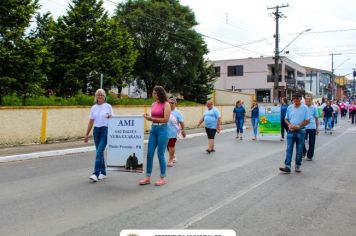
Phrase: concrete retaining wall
x=26 y=125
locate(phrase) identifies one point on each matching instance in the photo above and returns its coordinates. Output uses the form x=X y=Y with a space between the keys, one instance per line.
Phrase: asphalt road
x=239 y=187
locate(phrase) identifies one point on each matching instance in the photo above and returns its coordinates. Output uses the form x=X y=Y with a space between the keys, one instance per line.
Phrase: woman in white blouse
x=100 y=114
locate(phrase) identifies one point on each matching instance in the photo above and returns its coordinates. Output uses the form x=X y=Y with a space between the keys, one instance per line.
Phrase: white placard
x=178 y=232
x=125 y=143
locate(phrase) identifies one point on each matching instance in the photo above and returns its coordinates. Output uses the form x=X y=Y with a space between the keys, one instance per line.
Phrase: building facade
x=319 y=82
x=256 y=76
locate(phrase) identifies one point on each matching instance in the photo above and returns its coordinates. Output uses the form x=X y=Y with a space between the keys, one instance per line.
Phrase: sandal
x=170 y=164
x=174 y=160
x=160 y=182
x=208 y=151
x=144 y=181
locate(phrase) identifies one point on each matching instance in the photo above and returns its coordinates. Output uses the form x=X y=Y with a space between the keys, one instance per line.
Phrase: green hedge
x=78 y=100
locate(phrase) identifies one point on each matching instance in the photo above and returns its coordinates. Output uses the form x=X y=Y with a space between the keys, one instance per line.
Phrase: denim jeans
x=334 y=121
x=254 y=122
x=239 y=124
x=327 y=122
x=296 y=137
x=158 y=139
x=100 y=140
x=310 y=135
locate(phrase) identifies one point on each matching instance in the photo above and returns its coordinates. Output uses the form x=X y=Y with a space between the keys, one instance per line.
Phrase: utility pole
x=354 y=75
x=311 y=80
x=277 y=15
x=101 y=80
x=332 y=75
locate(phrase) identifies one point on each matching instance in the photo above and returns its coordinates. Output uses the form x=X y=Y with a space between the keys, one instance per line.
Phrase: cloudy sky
x=240 y=29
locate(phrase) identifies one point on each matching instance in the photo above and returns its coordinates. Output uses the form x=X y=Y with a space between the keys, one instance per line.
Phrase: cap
x=173 y=100
x=296 y=95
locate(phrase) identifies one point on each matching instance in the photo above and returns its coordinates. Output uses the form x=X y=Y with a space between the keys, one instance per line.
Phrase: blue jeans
x=239 y=124
x=100 y=140
x=296 y=137
x=158 y=139
x=334 y=121
x=254 y=122
x=327 y=122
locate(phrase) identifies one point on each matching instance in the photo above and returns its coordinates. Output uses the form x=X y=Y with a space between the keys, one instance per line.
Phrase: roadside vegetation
x=79 y=100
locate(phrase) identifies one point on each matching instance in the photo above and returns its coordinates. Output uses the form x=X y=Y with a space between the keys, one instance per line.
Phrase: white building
x=318 y=82
x=256 y=76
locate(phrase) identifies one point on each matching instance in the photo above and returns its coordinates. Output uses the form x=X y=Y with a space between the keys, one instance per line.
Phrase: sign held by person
x=125 y=143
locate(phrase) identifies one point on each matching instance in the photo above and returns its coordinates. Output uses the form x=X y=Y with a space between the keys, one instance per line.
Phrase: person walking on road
x=297 y=117
x=336 y=114
x=311 y=130
x=100 y=113
x=175 y=127
x=212 y=121
x=352 y=111
x=239 y=118
x=158 y=138
x=254 y=118
x=328 y=114
x=284 y=126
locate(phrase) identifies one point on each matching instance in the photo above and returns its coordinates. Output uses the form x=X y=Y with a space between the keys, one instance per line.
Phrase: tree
x=88 y=43
x=20 y=55
x=203 y=86
x=170 y=51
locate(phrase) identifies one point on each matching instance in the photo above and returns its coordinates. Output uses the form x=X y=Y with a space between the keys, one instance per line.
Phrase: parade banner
x=269 y=121
x=125 y=143
x=320 y=118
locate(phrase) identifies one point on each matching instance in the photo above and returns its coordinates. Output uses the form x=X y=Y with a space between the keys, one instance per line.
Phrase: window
x=217 y=71
x=235 y=70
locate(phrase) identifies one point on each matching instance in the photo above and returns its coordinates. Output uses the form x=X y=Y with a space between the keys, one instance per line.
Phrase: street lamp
x=276 y=63
x=354 y=74
x=294 y=39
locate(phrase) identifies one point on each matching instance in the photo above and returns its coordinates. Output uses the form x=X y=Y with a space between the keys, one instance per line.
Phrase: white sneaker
x=101 y=176
x=93 y=178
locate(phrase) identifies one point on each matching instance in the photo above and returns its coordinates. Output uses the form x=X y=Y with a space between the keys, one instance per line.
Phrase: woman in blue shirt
x=284 y=126
x=239 y=117
x=254 y=118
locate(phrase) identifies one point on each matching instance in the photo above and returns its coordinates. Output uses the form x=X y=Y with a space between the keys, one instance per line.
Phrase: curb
x=35 y=155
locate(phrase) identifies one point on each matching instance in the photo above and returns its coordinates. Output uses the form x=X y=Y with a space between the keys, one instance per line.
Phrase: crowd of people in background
x=299 y=120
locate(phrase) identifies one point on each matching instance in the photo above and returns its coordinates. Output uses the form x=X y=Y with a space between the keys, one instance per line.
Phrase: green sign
x=270 y=121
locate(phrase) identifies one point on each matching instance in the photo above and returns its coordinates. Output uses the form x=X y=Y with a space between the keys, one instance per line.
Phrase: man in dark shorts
x=212 y=120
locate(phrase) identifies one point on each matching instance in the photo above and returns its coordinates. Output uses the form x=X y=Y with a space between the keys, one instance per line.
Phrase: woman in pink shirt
x=160 y=113
x=352 y=111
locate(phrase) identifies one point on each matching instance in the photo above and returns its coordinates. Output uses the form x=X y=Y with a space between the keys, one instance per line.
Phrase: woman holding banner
x=160 y=113
x=284 y=126
x=99 y=117
x=254 y=118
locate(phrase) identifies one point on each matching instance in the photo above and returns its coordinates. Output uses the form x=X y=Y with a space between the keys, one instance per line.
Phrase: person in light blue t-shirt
x=311 y=130
x=175 y=128
x=212 y=120
x=297 y=118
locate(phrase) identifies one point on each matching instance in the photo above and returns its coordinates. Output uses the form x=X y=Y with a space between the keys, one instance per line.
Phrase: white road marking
x=223 y=203
x=241 y=193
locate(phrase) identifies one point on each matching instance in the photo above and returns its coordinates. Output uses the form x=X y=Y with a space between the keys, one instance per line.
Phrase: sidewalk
x=24 y=152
